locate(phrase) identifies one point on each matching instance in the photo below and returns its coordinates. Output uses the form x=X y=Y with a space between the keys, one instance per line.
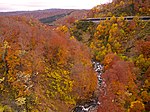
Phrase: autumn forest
x=46 y=59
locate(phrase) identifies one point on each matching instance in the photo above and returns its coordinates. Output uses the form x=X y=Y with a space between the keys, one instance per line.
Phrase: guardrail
x=127 y=18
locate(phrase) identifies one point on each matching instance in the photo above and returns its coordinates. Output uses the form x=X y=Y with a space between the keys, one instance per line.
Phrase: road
x=127 y=18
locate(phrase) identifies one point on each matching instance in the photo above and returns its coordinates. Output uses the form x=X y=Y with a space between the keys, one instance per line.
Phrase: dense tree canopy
x=38 y=63
x=44 y=68
x=123 y=47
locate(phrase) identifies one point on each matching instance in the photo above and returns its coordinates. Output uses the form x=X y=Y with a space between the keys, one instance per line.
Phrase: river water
x=92 y=104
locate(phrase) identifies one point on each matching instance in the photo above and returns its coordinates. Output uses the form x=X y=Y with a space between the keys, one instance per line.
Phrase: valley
x=76 y=60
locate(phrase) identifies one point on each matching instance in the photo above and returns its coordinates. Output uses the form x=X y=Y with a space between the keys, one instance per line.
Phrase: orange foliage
x=33 y=57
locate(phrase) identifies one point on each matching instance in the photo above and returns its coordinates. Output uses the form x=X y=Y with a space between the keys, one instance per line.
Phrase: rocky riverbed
x=92 y=104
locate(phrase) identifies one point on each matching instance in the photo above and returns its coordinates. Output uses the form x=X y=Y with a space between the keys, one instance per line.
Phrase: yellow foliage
x=63 y=29
x=60 y=84
x=92 y=45
x=20 y=101
x=72 y=38
x=136 y=106
x=121 y=3
x=6 y=45
x=1 y=108
x=145 y=95
x=113 y=19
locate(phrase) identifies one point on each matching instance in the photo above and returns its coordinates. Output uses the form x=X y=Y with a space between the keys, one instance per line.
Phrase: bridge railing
x=127 y=18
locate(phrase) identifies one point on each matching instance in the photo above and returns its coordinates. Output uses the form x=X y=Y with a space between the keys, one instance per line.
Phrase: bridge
x=127 y=18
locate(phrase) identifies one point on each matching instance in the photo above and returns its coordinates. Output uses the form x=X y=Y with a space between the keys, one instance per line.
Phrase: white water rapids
x=92 y=104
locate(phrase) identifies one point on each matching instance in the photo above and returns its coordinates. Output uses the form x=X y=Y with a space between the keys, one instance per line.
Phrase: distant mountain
x=72 y=17
x=51 y=15
x=38 y=14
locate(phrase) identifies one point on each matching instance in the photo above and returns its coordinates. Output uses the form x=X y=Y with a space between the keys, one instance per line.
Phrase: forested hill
x=122 y=8
x=42 y=69
x=123 y=47
x=65 y=18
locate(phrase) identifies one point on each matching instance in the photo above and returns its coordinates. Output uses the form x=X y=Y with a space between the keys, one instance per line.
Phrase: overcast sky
x=20 y=5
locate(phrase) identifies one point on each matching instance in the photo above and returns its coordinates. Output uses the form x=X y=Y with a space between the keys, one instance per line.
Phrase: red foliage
x=144 y=48
x=119 y=87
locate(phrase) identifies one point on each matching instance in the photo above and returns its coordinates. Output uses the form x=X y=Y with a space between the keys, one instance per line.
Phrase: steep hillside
x=122 y=8
x=42 y=69
x=123 y=47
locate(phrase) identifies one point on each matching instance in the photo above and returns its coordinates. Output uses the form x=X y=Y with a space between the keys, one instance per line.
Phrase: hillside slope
x=122 y=8
x=123 y=47
x=41 y=69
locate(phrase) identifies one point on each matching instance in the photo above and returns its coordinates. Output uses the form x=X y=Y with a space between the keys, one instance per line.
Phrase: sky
x=26 y=5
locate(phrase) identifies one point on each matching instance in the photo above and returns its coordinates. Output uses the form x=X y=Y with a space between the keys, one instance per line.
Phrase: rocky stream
x=92 y=104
